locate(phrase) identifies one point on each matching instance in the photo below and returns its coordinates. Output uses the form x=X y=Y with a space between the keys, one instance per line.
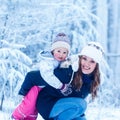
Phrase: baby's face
x=60 y=54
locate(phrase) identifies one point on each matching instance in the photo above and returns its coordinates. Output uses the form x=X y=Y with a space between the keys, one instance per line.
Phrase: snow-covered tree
x=14 y=64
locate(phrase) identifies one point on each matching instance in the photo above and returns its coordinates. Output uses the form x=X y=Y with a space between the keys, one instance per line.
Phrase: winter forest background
x=29 y=26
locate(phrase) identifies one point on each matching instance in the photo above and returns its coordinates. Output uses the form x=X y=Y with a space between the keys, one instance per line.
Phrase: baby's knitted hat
x=61 y=40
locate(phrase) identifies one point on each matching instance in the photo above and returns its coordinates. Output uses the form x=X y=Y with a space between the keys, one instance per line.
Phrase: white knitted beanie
x=93 y=50
x=61 y=40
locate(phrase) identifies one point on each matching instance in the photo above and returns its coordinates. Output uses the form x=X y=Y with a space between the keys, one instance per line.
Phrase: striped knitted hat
x=61 y=40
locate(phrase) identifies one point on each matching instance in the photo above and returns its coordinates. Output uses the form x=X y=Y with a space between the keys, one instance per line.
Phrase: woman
x=52 y=105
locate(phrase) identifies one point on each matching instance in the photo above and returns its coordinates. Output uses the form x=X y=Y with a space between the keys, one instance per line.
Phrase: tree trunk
x=1 y=104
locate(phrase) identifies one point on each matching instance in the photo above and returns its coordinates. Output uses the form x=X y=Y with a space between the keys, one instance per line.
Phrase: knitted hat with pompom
x=61 y=40
x=93 y=50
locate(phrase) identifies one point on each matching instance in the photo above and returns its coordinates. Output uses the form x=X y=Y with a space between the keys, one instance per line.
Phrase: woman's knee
x=74 y=102
x=81 y=104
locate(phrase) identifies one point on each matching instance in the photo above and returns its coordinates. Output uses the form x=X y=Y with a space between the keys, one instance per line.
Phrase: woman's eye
x=92 y=61
x=84 y=58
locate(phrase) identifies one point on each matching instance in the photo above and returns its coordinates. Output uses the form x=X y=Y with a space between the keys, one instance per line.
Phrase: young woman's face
x=87 y=64
x=60 y=54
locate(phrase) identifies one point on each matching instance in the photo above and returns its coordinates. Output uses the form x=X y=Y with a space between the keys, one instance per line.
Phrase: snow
x=92 y=113
x=103 y=114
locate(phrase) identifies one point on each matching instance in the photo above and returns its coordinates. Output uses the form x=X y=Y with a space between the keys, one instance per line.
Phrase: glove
x=66 y=89
x=65 y=64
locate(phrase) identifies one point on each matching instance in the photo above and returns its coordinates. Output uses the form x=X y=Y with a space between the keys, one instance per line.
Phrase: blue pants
x=69 y=109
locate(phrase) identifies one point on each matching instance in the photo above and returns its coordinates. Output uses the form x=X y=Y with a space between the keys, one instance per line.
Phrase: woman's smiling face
x=87 y=64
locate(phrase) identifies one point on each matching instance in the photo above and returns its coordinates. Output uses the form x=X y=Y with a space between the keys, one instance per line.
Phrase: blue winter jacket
x=49 y=95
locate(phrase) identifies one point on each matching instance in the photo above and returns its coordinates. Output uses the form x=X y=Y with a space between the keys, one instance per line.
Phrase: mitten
x=65 y=64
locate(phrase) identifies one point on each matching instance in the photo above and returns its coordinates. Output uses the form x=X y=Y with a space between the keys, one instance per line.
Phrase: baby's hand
x=65 y=64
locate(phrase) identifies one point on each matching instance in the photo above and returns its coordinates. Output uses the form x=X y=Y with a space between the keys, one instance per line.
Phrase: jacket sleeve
x=47 y=72
x=34 y=78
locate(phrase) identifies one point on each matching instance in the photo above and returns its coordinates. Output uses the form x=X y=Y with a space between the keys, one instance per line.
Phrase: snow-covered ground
x=103 y=114
x=92 y=113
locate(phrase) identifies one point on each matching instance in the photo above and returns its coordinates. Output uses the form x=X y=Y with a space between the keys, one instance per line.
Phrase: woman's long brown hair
x=77 y=81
